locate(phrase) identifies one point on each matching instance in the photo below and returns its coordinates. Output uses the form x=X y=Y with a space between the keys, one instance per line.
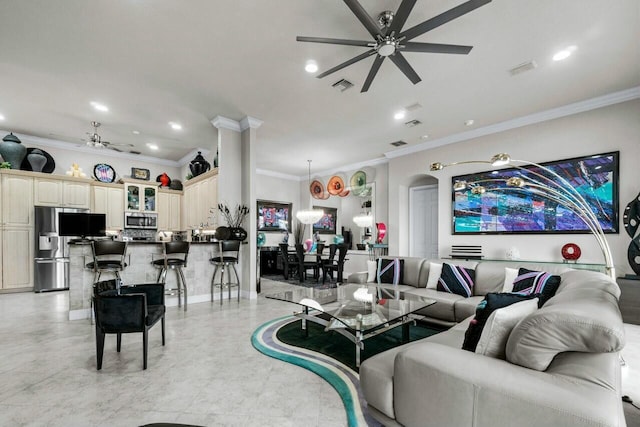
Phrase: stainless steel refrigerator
x=51 y=269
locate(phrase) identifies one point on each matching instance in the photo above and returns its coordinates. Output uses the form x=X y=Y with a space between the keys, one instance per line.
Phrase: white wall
x=612 y=128
x=281 y=190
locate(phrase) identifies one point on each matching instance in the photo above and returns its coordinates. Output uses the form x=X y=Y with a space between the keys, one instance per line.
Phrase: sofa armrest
x=359 y=277
x=437 y=385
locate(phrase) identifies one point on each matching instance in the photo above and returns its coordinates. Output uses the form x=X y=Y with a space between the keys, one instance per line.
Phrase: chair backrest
x=176 y=250
x=332 y=251
x=108 y=250
x=105 y=285
x=120 y=313
x=319 y=248
x=284 y=249
x=227 y=249
x=342 y=253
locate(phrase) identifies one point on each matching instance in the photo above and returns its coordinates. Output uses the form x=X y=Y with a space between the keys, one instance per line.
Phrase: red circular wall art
x=571 y=252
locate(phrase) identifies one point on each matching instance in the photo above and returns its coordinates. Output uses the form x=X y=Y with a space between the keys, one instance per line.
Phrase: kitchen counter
x=141 y=242
x=139 y=269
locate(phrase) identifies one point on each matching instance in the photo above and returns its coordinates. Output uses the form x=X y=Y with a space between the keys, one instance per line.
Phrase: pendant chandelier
x=309 y=216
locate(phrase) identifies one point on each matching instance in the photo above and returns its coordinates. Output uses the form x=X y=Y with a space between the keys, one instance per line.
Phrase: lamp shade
x=309 y=216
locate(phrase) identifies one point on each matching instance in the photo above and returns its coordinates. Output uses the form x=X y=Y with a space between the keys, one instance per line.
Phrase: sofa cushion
x=456 y=280
x=574 y=320
x=372 y=268
x=443 y=309
x=435 y=270
x=490 y=303
x=500 y=323
x=390 y=270
x=510 y=274
x=539 y=283
x=466 y=307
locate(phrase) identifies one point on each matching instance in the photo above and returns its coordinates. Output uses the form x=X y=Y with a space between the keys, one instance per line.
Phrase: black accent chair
x=331 y=265
x=127 y=310
x=226 y=258
x=289 y=260
x=304 y=265
x=108 y=257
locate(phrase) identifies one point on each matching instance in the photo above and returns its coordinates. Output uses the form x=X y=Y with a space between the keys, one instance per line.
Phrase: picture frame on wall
x=274 y=216
x=328 y=222
x=501 y=211
x=139 y=173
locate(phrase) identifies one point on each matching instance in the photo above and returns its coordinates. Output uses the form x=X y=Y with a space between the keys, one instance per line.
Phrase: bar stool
x=108 y=257
x=225 y=258
x=174 y=257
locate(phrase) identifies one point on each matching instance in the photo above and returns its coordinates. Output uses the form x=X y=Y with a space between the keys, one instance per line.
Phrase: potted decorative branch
x=234 y=218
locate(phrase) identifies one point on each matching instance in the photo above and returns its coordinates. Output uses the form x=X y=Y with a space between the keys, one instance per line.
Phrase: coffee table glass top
x=355 y=306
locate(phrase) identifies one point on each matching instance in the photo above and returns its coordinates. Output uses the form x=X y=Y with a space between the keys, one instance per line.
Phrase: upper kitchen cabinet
x=169 y=215
x=140 y=198
x=17 y=199
x=109 y=200
x=62 y=192
x=200 y=197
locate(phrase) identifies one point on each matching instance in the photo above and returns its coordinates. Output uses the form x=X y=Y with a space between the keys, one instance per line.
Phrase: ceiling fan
x=390 y=40
x=96 y=141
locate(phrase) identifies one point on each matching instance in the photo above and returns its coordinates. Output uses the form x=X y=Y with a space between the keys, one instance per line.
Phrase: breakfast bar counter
x=139 y=269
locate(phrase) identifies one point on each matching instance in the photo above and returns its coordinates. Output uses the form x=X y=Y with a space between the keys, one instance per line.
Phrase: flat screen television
x=79 y=224
x=509 y=211
x=274 y=216
x=327 y=224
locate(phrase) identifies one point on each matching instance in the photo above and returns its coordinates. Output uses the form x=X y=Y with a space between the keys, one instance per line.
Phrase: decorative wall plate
x=104 y=173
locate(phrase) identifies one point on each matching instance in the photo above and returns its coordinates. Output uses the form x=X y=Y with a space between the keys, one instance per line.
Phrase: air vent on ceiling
x=525 y=66
x=398 y=143
x=342 y=85
x=413 y=107
x=412 y=123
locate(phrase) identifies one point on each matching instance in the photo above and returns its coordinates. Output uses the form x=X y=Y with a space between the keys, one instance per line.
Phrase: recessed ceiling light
x=152 y=146
x=468 y=122
x=2 y=117
x=99 y=107
x=311 y=66
x=175 y=126
x=564 y=53
x=399 y=115
x=135 y=132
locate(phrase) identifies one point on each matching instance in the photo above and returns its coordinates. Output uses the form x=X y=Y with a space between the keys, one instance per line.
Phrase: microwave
x=139 y=220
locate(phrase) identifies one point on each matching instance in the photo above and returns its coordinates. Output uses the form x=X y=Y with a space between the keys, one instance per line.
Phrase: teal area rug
x=340 y=375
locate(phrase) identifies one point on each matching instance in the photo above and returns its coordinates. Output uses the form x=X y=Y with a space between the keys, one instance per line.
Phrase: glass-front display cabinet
x=140 y=198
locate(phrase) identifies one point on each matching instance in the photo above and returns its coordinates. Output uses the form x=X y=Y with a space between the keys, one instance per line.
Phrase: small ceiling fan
x=389 y=39
x=96 y=141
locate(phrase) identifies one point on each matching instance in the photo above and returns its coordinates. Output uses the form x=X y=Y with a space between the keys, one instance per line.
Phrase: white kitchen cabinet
x=60 y=192
x=200 y=197
x=109 y=201
x=17 y=200
x=17 y=259
x=169 y=207
x=140 y=198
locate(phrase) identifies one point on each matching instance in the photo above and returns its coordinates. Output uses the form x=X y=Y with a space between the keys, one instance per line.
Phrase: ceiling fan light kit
x=95 y=141
x=390 y=40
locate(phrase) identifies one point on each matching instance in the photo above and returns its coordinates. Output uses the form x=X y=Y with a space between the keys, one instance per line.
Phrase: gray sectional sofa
x=562 y=364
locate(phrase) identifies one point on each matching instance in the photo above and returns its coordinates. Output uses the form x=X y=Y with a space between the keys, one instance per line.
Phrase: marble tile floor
x=208 y=373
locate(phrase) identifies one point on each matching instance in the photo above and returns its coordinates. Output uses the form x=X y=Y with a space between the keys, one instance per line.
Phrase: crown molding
x=281 y=175
x=542 y=116
x=70 y=146
x=250 y=122
x=220 y=122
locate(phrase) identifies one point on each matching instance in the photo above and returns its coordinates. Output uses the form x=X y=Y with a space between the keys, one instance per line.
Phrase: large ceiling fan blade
x=370 y=24
x=443 y=18
x=401 y=15
x=347 y=63
x=404 y=66
x=362 y=43
x=372 y=73
x=436 y=48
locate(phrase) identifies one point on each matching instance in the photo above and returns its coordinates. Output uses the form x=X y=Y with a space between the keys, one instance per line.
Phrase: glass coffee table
x=356 y=311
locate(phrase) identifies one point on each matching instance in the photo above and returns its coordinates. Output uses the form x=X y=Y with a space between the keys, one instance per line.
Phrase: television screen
x=327 y=224
x=504 y=209
x=274 y=216
x=81 y=224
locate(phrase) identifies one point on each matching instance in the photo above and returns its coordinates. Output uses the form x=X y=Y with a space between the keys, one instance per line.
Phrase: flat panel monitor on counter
x=82 y=225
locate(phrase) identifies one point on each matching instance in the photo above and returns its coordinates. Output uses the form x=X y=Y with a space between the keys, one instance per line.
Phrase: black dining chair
x=331 y=265
x=305 y=265
x=128 y=309
x=289 y=261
